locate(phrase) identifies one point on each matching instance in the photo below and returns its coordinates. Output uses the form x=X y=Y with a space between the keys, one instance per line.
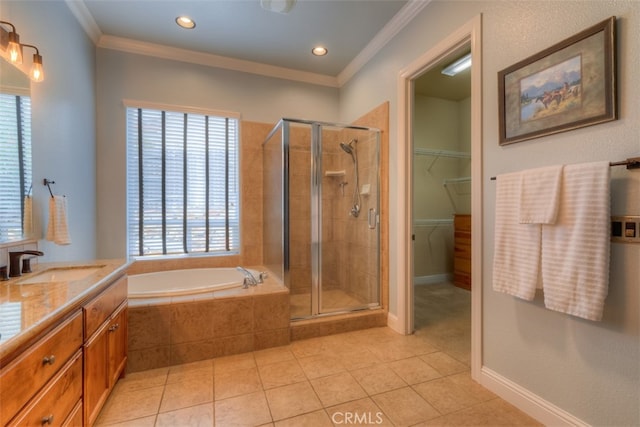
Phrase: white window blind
x=182 y=183
x=15 y=163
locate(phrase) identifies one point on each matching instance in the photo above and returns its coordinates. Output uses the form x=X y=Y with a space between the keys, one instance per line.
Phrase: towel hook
x=47 y=183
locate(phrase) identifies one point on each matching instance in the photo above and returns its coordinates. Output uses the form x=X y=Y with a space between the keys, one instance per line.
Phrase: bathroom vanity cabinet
x=61 y=369
x=105 y=348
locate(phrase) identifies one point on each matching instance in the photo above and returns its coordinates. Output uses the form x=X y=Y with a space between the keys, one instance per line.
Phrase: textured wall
x=590 y=370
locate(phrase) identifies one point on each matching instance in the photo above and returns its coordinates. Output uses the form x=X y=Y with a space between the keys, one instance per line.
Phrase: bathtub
x=183 y=316
x=193 y=281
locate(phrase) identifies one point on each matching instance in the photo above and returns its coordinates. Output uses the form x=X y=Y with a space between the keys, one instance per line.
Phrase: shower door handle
x=372 y=218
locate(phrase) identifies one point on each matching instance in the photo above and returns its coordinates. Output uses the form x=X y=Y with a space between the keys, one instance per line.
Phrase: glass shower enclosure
x=321 y=215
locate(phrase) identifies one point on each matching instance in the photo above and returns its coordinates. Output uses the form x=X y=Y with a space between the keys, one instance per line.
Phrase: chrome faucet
x=249 y=278
x=14 y=262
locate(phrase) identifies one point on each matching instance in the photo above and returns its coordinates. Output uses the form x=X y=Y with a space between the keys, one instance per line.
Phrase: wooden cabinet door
x=117 y=345
x=96 y=373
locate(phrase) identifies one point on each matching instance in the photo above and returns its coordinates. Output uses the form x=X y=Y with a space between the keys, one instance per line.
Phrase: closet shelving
x=436 y=154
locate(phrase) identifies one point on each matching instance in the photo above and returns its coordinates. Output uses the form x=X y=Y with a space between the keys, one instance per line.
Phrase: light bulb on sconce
x=11 y=49
x=37 y=72
x=12 y=41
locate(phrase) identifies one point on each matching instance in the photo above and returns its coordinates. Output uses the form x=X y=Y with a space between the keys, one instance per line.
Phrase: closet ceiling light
x=185 y=22
x=458 y=66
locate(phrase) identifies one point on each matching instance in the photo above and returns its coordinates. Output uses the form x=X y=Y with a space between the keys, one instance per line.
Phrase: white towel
x=57 y=231
x=516 y=260
x=575 y=250
x=27 y=221
x=540 y=193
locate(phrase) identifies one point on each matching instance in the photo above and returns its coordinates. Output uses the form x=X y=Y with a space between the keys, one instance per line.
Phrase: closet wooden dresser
x=462 y=251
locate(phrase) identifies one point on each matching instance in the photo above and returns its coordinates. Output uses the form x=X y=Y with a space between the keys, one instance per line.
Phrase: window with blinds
x=15 y=164
x=182 y=183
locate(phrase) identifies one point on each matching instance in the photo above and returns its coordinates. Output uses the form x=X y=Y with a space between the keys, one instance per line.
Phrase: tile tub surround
x=172 y=331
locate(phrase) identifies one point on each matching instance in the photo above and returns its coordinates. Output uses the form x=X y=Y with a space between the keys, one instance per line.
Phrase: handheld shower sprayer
x=351 y=148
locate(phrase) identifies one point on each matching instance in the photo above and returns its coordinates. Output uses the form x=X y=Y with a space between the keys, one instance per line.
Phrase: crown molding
x=393 y=27
x=388 y=32
x=84 y=17
x=201 y=58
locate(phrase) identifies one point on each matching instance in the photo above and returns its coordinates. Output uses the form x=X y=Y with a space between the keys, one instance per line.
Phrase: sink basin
x=61 y=275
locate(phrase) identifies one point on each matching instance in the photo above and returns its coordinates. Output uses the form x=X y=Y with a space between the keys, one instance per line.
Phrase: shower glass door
x=348 y=211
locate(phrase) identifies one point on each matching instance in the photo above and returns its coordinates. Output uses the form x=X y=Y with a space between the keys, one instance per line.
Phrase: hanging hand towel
x=575 y=250
x=539 y=196
x=27 y=222
x=516 y=259
x=57 y=231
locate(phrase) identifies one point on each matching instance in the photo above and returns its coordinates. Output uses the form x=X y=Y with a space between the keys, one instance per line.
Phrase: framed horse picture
x=567 y=86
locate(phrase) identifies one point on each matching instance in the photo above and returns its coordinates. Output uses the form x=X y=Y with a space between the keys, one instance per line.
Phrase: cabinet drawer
x=57 y=400
x=23 y=377
x=75 y=417
x=100 y=308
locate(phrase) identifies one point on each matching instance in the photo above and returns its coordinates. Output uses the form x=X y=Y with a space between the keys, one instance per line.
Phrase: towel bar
x=47 y=183
x=630 y=163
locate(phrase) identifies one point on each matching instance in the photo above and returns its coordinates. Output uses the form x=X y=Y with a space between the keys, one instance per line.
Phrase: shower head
x=348 y=147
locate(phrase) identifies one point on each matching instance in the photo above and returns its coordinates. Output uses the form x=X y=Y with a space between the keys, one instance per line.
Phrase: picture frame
x=569 y=85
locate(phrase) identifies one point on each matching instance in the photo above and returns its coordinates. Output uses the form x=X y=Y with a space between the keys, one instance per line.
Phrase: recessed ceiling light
x=319 y=51
x=185 y=22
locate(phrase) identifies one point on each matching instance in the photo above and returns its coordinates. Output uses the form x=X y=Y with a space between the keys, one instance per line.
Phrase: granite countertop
x=28 y=309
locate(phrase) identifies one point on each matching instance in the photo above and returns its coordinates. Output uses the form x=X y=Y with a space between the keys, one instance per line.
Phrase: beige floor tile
x=362 y=412
x=273 y=355
x=337 y=388
x=444 y=363
x=189 y=371
x=378 y=379
x=490 y=414
x=141 y=380
x=131 y=405
x=149 y=421
x=194 y=416
x=246 y=410
x=237 y=361
x=464 y=380
x=312 y=419
x=187 y=393
x=320 y=365
x=389 y=351
x=414 y=370
x=310 y=347
x=357 y=359
x=292 y=400
x=445 y=395
x=281 y=373
x=405 y=407
x=236 y=382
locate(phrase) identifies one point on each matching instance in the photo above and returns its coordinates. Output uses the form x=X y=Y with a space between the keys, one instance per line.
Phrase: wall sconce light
x=11 y=43
x=11 y=48
x=37 y=73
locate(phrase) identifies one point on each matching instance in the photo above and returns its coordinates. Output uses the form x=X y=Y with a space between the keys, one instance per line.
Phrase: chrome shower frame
x=316 y=145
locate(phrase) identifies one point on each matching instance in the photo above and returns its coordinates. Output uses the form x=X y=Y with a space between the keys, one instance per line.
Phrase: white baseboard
x=394 y=323
x=528 y=402
x=433 y=278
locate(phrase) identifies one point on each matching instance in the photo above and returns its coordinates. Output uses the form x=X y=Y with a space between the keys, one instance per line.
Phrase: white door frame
x=470 y=33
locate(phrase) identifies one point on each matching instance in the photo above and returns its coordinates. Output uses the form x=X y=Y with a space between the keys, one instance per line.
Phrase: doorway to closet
x=441 y=199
